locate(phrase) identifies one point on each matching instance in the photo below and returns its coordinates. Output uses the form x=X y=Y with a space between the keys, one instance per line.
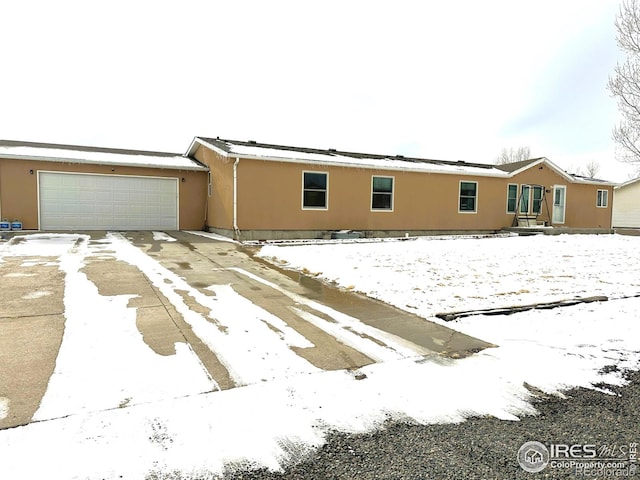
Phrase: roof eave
x=198 y=141
x=339 y=163
x=561 y=172
x=97 y=162
x=627 y=183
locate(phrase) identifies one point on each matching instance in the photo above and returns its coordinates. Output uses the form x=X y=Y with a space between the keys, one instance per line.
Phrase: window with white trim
x=314 y=190
x=602 y=200
x=468 y=199
x=382 y=193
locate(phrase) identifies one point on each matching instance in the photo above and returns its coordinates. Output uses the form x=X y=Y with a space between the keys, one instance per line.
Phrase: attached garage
x=66 y=187
x=78 y=201
x=626 y=205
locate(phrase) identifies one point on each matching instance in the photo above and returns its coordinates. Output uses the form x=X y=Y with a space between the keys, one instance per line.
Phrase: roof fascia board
x=627 y=183
x=560 y=172
x=531 y=165
x=12 y=156
x=198 y=141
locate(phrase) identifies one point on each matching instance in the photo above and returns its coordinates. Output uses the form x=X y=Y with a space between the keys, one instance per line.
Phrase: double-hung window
x=602 y=200
x=314 y=190
x=468 y=200
x=382 y=193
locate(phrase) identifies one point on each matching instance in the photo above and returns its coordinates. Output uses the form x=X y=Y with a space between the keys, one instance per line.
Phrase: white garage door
x=70 y=201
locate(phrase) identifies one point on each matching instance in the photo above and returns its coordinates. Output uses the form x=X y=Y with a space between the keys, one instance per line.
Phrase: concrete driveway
x=329 y=325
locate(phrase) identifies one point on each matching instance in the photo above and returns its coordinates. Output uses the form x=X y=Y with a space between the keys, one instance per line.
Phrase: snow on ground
x=163 y=237
x=4 y=407
x=269 y=423
x=103 y=360
x=432 y=275
x=239 y=331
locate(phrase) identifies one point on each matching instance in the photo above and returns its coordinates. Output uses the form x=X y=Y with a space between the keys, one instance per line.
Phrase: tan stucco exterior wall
x=270 y=198
x=581 y=210
x=220 y=201
x=19 y=188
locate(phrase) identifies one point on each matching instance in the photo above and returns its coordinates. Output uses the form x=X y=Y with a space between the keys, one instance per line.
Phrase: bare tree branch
x=591 y=169
x=625 y=82
x=511 y=155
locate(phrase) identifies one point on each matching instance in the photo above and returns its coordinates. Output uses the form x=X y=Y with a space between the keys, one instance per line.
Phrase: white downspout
x=235 y=198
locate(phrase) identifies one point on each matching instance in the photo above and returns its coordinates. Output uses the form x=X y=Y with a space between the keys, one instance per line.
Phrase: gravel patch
x=480 y=448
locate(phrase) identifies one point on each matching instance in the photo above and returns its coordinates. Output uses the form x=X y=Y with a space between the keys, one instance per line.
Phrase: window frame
x=524 y=200
x=475 y=197
x=599 y=197
x=556 y=189
x=535 y=188
x=391 y=194
x=515 y=199
x=326 y=191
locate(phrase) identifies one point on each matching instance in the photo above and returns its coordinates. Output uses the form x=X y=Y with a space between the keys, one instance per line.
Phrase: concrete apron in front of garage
x=33 y=321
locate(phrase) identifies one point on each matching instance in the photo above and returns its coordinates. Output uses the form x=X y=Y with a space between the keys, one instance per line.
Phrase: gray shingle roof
x=512 y=167
x=96 y=155
x=228 y=146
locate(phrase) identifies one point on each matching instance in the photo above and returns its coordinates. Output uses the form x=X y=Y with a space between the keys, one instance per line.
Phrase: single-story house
x=263 y=191
x=626 y=204
x=251 y=190
x=64 y=187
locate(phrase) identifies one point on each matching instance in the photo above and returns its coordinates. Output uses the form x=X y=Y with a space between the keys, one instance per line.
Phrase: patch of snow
x=347 y=329
x=374 y=161
x=68 y=155
x=430 y=276
x=36 y=294
x=103 y=361
x=213 y=236
x=163 y=237
x=4 y=407
x=38 y=245
x=18 y=275
x=266 y=424
x=236 y=329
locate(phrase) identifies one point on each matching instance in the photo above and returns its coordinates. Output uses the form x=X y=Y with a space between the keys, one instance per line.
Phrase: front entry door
x=559 y=202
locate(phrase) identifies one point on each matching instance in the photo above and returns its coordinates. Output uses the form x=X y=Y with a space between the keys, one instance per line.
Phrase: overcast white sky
x=454 y=79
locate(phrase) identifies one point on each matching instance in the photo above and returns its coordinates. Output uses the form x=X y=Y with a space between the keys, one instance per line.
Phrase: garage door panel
x=105 y=202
